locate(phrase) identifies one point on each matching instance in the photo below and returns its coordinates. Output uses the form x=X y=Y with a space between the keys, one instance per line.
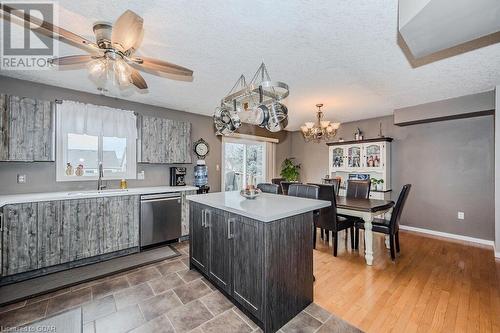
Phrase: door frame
x=246 y=139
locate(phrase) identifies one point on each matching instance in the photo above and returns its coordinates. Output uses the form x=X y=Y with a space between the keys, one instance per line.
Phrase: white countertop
x=266 y=207
x=68 y=195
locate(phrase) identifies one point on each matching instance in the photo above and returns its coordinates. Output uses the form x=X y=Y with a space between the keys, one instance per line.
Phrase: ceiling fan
x=112 y=52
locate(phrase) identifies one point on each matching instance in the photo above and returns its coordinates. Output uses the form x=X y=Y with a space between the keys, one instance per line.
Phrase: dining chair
x=335 y=182
x=268 y=188
x=388 y=227
x=358 y=189
x=303 y=191
x=329 y=220
x=285 y=185
x=278 y=181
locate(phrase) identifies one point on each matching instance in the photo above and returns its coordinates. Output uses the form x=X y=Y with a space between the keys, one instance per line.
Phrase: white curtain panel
x=91 y=119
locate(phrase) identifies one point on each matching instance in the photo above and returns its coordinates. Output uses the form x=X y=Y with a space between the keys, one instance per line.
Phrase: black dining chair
x=388 y=227
x=277 y=181
x=335 y=182
x=285 y=185
x=303 y=191
x=268 y=188
x=329 y=220
x=358 y=189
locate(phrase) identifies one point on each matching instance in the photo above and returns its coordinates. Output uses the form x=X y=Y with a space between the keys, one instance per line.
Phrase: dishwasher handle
x=158 y=197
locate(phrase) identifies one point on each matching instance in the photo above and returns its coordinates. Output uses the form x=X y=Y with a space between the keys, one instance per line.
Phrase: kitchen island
x=259 y=252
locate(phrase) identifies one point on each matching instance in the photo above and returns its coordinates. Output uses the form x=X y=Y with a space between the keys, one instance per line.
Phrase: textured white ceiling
x=340 y=53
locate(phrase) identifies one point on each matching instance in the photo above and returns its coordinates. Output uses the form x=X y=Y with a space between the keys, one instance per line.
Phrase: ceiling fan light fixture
x=97 y=68
x=122 y=72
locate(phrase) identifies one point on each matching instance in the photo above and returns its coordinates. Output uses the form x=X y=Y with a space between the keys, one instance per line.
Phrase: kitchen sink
x=91 y=193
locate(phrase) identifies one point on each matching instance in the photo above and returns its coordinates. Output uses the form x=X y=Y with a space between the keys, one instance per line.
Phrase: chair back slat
x=327 y=216
x=358 y=189
x=268 y=188
x=398 y=208
x=285 y=186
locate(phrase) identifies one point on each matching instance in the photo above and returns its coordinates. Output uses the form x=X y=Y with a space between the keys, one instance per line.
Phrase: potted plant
x=380 y=185
x=374 y=182
x=289 y=170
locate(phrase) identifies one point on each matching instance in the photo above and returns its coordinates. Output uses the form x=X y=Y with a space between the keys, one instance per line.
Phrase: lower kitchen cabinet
x=43 y=234
x=229 y=249
x=220 y=245
x=198 y=238
x=19 y=248
x=248 y=253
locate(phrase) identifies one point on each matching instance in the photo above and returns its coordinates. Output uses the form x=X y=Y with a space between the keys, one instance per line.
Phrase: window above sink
x=87 y=135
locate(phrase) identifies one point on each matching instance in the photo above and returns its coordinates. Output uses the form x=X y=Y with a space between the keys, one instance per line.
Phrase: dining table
x=367 y=209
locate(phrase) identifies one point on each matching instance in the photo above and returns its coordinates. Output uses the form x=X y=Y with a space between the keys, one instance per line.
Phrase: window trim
x=61 y=138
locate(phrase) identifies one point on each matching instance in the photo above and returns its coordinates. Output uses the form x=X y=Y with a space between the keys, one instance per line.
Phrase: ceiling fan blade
x=137 y=79
x=48 y=29
x=162 y=66
x=127 y=32
x=72 y=60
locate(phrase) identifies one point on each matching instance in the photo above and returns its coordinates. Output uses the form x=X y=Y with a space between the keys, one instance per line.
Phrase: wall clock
x=201 y=148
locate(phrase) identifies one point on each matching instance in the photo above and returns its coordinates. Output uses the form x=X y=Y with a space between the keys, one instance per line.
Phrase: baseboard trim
x=452 y=236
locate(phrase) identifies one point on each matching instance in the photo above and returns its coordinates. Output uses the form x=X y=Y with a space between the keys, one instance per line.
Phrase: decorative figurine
x=79 y=170
x=69 y=169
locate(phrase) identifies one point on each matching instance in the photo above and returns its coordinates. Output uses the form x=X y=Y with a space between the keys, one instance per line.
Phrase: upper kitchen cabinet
x=164 y=141
x=26 y=129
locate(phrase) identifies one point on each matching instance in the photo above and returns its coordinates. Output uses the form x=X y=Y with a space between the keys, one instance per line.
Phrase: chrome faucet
x=100 y=186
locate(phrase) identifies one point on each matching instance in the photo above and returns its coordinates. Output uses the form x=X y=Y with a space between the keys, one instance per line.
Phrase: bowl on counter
x=250 y=193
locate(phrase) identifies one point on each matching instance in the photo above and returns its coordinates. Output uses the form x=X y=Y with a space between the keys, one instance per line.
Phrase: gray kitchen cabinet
x=220 y=245
x=44 y=234
x=19 y=248
x=198 y=237
x=26 y=129
x=228 y=248
x=164 y=141
x=248 y=253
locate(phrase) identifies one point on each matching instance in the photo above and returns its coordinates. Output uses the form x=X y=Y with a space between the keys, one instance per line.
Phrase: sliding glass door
x=241 y=159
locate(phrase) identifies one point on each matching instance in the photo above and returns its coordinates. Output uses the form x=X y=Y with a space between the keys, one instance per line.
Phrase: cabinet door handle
x=203 y=217
x=208 y=220
x=230 y=228
x=1 y=222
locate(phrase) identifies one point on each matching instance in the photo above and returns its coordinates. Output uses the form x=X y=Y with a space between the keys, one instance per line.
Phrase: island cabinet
x=164 y=141
x=265 y=268
x=46 y=234
x=26 y=129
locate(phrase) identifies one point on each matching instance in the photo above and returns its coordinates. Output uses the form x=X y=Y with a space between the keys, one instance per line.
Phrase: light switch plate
x=141 y=175
x=460 y=215
x=21 y=179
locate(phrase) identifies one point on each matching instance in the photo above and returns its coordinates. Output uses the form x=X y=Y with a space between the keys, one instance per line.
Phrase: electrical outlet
x=141 y=175
x=460 y=215
x=217 y=167
x=21 y=179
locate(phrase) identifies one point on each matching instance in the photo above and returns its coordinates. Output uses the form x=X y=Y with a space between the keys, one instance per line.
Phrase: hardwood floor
x=435 y=285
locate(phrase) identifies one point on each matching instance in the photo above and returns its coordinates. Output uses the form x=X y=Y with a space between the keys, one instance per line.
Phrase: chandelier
x=321 y=130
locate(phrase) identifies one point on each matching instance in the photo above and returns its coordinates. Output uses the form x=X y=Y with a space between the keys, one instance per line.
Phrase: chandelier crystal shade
x=319 y=130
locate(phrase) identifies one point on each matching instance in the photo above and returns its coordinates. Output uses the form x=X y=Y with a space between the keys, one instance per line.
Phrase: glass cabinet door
x=354 y=156
x=373 y=156
x=337 y=158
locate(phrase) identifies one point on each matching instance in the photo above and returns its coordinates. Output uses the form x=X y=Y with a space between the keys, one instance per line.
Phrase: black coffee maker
x=177 y=176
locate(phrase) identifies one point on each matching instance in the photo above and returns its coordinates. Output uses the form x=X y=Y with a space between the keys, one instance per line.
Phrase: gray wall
x=450 y=165
x=41 y=175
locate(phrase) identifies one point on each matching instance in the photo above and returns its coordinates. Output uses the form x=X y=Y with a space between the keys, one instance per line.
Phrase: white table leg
x=368 y=239
x=387 y=245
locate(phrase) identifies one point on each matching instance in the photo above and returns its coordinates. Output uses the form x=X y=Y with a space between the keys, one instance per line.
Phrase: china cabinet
x=364 y=159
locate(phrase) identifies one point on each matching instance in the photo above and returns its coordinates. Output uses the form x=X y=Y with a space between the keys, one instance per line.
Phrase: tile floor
x=162 y=297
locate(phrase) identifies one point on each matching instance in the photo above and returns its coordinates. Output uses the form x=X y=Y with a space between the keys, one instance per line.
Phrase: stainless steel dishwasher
x=160 y=218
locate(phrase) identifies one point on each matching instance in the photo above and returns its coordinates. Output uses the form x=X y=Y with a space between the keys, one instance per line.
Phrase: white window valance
x=91 y=119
